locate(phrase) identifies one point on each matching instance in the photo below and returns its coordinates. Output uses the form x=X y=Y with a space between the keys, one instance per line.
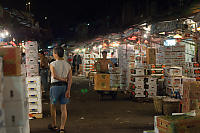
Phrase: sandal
x=61 y=131
x=53 y=128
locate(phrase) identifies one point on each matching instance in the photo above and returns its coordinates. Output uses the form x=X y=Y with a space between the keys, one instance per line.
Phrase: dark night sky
x=62 y=13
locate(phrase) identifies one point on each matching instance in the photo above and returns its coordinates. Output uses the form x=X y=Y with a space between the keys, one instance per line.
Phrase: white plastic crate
x=14 y=88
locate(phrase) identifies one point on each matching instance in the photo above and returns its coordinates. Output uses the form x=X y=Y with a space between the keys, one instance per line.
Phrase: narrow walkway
x=88 y=115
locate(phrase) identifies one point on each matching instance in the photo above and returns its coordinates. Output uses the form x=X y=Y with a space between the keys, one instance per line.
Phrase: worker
x=103 y=63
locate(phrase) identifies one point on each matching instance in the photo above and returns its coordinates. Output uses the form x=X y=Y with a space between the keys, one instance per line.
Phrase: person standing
x=76 y=63
x=61 y=80
x=44 y=66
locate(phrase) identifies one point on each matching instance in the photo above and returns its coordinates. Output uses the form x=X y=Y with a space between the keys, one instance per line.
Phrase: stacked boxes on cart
x=176 y=55
x=13 y=93
x=142 y=85
x=32 y=65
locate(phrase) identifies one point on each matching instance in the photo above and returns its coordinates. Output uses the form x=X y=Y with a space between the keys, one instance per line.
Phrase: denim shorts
x=57 y=93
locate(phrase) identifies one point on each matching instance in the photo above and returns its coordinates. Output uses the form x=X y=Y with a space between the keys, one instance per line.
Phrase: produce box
x=151 y=56
x=11 y=61
x=178 y=124
x=102 y=82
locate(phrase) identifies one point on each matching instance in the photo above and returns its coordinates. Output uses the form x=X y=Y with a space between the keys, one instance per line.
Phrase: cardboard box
x=180 y=54
x=16 y=113
x=178 y=124
x=168 y=54
x=11 y=61
x=102 y=82
x=178 y=48
x=14 y=88
x=168 y=61
x=175 y=82
x=168 y=48
x=151 y=93
x=151 y=56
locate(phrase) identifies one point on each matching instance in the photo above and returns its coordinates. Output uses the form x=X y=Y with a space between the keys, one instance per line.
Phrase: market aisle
x=88 y=114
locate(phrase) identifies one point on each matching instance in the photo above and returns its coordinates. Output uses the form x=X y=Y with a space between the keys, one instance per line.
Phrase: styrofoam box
x=31 y=45
x=138 y=72
x=176 y=82
x=32 y=68
x=31 y=53
x=153 y=87
x=37 y=93
x=16 y=113
x=30 y=74
x=38 y=96
x=152 y=93
x=152 y=81
x=33 y=80
x=14 y=88
x=173 y=71
x=35 y=107
x=34 y=99
x=18 y=129
x=3 y=130
x=31 y=61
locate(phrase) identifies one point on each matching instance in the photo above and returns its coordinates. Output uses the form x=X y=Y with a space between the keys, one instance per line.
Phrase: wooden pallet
x=36 y=116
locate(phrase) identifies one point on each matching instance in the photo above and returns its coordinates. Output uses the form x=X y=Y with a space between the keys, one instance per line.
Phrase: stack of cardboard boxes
x=175 y=55
x=33 y=80
x=173 y=82
x=191 y=95
x=137 y=86
x=151 y=56
x=14 y=92
x=2 y=113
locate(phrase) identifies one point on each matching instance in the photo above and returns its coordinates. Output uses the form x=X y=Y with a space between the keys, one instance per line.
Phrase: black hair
x=59 y=51
x=104 y=52
x=42 y=52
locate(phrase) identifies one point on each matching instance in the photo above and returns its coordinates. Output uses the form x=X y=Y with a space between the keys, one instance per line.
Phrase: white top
x=61 y=68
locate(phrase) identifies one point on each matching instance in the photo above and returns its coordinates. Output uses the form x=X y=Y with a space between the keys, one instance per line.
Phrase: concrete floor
x=87 y=114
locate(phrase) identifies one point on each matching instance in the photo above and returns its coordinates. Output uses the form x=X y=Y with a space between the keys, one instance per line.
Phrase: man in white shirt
x=61 y=80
